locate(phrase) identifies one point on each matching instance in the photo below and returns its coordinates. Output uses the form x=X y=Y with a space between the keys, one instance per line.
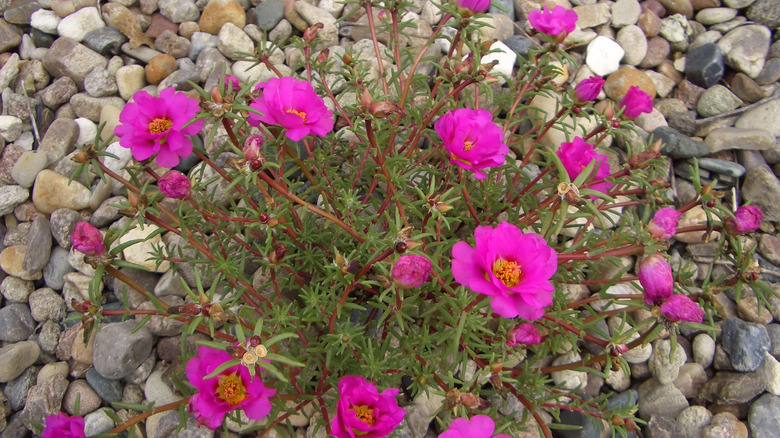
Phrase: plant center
x=510 y=273
x=231 y=389
x=365 y=414
x=300 y=114
x=467 y=145
x=159 y=125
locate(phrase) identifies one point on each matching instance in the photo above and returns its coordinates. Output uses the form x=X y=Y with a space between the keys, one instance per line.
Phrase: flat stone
x=16 y=323
x=12 y=260
x=625 y=13
x=67 y=57
x=746 y=89
x=10 y=197
x=745 y=48
x=78 y=24
x=678 y=145
x=43 y=400
x=723 y=167
x=710 y=16
x=118 y=351
x=15 y=358
x=592 y=15
x=52 y=192
x=764 y=117
x=762 y=416
x=39 y=238
x=27 y=167
x=766 y=12
x=770 y=73
x=107 y=389
x=739 y=138
x=717 y=100
x=745 y=343
x=762 y=188
x=728 y=388
x=683 y=7
x=269 y=13
x=9 y=36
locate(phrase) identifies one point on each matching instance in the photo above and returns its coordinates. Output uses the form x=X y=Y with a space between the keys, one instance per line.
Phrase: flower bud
x=87 y=240
x=323 y=56
x=655 y=276
x=605 y=107
x=588 y=90
x=215 y=96
x=311 y=32
x=252 y=146
x=681 y=308
x=525 y=334
x=411 y=270
x=664 y=223
x=174 y=185
x=636 y=102
x=746 y=219
x=383 y=109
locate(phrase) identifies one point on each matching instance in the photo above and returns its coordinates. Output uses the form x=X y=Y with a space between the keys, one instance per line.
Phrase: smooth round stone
x=129 y=79
x=764 y=117
x=703 y=350
x=717 y=100
x=745 y=48
x=738 y=4
x=725 y=424
x=118 y=352
x=27 y=167
x=15 y=358
x=53 y=191
x=156 y=390
x=218 y=12
x=762 y=416
x=712 y=16
x=625 y=13
x=78 y=24
x=569 y=379
x=693 y=420
x=16 y=323
x=97 y=422
x=179 y=11
x=633 y=41
x=762 y=188
x=232 y=41
x=89 y=400
x=592 y=15
x=618 y=83
x=649 y=23
x=665 y=365
x=12 y=260
x=684 y=7
x=159 y=67
x=746 y=89
x=603 y=56
x=770 y=73
x=269 y=13
x=45 y=21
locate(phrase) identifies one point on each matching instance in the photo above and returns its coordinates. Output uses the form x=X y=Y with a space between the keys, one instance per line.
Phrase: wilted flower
x=681 y=308
x=231 y=389
x=87 y=239
x=512 y=267
x=525 y=334
x=364 y=412
x=60 y=425
x=577 y=155
x=475 y=6
x=293 y=105
x=553 y=22
x=472 y=140
x=174 y=185
x=655 y=276
x=411 y=270
x=746 y=219
x=588 y=90
x=479 y=426
x=664 y=223
x=252 y=146
x=636 y=102
x=155 y=125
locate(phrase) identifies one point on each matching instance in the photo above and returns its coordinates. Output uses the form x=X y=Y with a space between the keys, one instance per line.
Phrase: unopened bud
x=470 y=401
x=655 y=276
x=252 y=146
x=365 y=98
x=311 y=32
x=174 y=185
x=80 y=306
x=443 y=208
x=323 y=56
x=411 y=271
x=466 y=65
x=87 y=239
x=215 y=96
x=605 y=108
x=383 y=109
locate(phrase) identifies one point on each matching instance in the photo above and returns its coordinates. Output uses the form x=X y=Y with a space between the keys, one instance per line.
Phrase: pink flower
x=174 y=185
x=555 y=22
x=747 y=219
x=577 y=155
x=363 y=412
x=231 y=389
x=664 y=223
x=655 y=276
x=230 y=80
x=588 y=90
x=411 y=270
x=155 y=125
x=475 y=6
x=293 y=105
x=636 y=102
x=480 y=426
x=87 y=239
x=681 y=308
x=512 y=267
x=525 y=333
x=60 y=425
x=472 y=140
x=252 y=146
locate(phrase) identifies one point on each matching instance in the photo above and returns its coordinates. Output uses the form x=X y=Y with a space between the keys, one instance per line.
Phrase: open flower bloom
x=293 y=105
x=664 y=223
x=636 y=102
x=87 y=239
x=512 y=267
x=364 y=412
x=60 y=425
x=479 y=426
x=588 y=90
x=411 y=270
x=231 y=389
x=681 y=308
x=472 y=140
x=553 y=22
x=524 y=334
x=746 y=220
x=174 y=185
x=155 y=125
x=475 y=6
x=577 y=155
x=655 y=276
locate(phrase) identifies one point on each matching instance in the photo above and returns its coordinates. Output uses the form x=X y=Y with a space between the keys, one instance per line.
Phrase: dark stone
x=732 y=388
x=503 y=7
x=520 y=44
x=677 y=145
x=269 y=13
x=763 y=417
x=38 y=239
x=774 y=335
x=16 y=323
x=108 y=390
x=770 y=73
x=684 y=122
x=16 y=390
x=119 y=351
x=20 y=12
x=9 y=36
x=704 y=65
x=587 y=429
x=766 y=12
x=746 y=89
x=41 y=39
x=105 y=40
x=746 y=343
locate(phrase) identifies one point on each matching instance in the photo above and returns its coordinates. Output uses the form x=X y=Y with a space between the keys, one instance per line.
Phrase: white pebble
x=604 y=55
x=45 y=21
x=87 y=131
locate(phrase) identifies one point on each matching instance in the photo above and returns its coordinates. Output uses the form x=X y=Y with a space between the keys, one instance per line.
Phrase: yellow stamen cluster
x=231 y=389
x=365 y=414
x=300 y=114
x=159 y=125
x=509 y=272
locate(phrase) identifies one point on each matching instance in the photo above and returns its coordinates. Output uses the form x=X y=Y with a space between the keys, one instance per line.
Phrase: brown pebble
x=667 y=69
x=657 y=51
x=689 y=93
x=187 y=28
x=653 y=6
x=678 y=7
x=159 y=68
x=702 y=4
x=160 y=24
x=219 y=12
x=618 y=83
x=746 y=89
x=649 y=23
x=770 y=73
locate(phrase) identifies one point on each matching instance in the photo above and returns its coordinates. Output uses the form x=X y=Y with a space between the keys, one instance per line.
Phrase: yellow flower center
x=467 y=145
x=300 y=114
x=231 y=389
x=365 y=414
x=510 y=273
x=160 y=125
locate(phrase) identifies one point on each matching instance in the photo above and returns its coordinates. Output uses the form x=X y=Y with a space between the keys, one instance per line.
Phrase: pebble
x=592 y=15
x=45 y=21
x=745 y=48
x=11 y=261
x=66 y=57
x=618 y=83
x=745 y=343
x=739 y=138
x=107 y=389
x=704 y=65
x=762 y=188
x=129 y=79
x=657 y=399
x=9 y=36
x=710 y=16
x=725 y=424
x=568 y=379
x=625 y=13
x=97 y=422
x=78 y=24
x=717 y=100
x=678 y=145
x=10 y=128
x=770 y=374
x=729 y=388
x=52 y=192
x=764 y=117
x=269 y=13
x=159 y=67
x=633 y=41
x=762 y=417
x=766 y=12
x=16 y=358
x=46 y=304
x=693 y=420
x=179 y=11
x=218 y=12
x=88 y=399
x=604 y=55
x=16 y=290
x=118 y=352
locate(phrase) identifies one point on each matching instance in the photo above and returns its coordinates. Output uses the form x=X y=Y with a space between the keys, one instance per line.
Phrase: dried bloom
x=293 y=105
x=231 y=389
x=553 y=22
x=664 y=223
x=229 y=80
x=472 y=140
x=655 y=276
x=252 y=146
x=364 y=412
x=746 y=219
x=174 y=185
x=525 y=333
x=588 y=90
x=577 y=155
x=636 y=102
x=87 y=239
x=475 y=6
x=479 y=426
x=60 y=425
x=681 y=308
x=155 y=125
x=512 y=267
x=411 y=270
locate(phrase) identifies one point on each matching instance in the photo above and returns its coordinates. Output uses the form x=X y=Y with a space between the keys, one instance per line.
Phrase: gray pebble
x=45 y=304
x=108 y=390
x=763 y=417
x=16 y=323
x=745 y=343
x=15 y=358
x=105 y=40
x=39 y=240
x=118 y=352
x=55 y=270
x=16 y=390
x=16 y=290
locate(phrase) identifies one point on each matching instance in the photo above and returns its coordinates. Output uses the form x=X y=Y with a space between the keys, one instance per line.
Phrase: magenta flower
x=479 y=426
x=231 y=389
x=664 y=223
x=230 y=80
x=746 y=219
x=155 y=125
x=655 y=276
x=525 y=334
x=293 y=105
x=512 y=267
x=87 y=239
x=411 y=270
x=555 y=22
x=364 y=412
x=475 y=6
x=636 y=102
x=174 y=185
x=588 y=90
x=577 y=155
x=472 y=140
x=681 y=308
x=60 y=425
